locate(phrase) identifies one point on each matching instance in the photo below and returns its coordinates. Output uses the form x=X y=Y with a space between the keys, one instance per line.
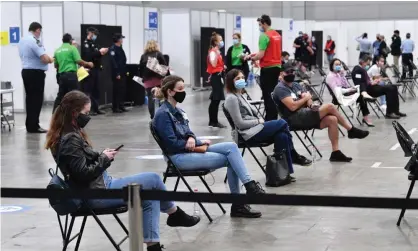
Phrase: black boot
x=156 y=247
x=244 y=211
x=181 y=219
x=253 y=187
x=355 y=133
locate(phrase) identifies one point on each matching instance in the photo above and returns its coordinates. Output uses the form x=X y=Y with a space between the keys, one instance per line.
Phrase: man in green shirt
x=67 y=59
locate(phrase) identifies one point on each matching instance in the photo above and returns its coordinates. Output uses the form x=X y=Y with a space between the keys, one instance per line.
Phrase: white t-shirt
x=374 y=71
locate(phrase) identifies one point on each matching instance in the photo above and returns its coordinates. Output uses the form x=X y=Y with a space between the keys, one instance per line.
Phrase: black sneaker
x=301 y=160
x=155 y=247
x=100 y=112
x=218 y=125
x=244 y=211
x=392 y=116
x=117 y=111
x=181 y=219
x=400 y=114
x=338 y=156
x=355 y=133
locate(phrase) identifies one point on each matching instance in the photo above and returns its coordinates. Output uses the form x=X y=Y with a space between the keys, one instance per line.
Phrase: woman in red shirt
x=215 y=68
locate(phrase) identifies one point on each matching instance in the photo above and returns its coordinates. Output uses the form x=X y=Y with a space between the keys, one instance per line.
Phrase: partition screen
x=319 y=39
x=104 y=40
x=205 y=35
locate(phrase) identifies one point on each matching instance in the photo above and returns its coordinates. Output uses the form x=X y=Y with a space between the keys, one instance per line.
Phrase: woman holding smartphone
x=85 y=168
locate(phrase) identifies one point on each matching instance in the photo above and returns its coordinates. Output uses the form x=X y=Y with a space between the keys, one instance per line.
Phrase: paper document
x=82 y=73
x=138 y=80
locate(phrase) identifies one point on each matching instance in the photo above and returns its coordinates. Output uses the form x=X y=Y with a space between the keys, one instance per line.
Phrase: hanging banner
x=238 y=22
x=291 y=25
x=153 y=20
x=14 y=35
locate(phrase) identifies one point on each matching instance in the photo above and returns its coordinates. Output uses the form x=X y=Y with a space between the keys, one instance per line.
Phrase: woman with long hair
x=189 y=153
x=85 y=168
x=236 y=55
x=215 y=68
x=150 y=78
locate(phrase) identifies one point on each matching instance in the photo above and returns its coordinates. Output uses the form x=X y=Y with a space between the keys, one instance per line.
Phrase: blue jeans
x=276 y=131
x=151 y=209
x=330 y=57
x=383 y=97
x=217 y=156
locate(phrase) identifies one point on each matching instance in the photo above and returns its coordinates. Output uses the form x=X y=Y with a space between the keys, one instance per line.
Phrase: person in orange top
x=270 y=56
x=329 y=49
x=215 y=67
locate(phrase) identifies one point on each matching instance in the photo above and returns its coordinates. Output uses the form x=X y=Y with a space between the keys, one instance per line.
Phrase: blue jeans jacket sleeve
x=165 y=130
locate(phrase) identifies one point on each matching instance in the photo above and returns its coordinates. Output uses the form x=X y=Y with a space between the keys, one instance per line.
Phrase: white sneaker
x=383 y=107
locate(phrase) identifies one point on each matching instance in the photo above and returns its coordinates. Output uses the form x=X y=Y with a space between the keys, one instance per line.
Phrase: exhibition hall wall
x=342 y=32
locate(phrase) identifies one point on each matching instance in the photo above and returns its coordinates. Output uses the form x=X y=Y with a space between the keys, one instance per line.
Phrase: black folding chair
x=407 y=83
x=173 y=171
x=388 y=81
x=242 y=143
x=347 y=71
x=340 y=107
x=324 y=82
x=86 y=211
x=296 y=130
x=410 y=150
x=258 y=104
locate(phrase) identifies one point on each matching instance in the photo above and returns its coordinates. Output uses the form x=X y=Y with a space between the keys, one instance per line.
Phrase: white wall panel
x=91 y=13
x=214 y=19
x=136 y=33
x=122 y=19
x=11 y=66
x=178 y=49
x=205 y=19
x=52 y=39
x=222 y=20
x=195 y=22
x=73 y=17
x=29 y=14
x=107 y=14
x=229 y=30
x=250 y=33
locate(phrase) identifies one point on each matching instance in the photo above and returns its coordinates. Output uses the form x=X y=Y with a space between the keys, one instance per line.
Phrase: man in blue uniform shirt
x=34 y=64
x=119 y=72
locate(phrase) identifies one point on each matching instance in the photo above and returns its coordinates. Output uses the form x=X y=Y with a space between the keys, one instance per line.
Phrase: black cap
x=289 y=66
x=117 y=36
x=94 y=30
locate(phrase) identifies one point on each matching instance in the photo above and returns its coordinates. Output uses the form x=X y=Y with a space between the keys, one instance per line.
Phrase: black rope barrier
x=261 y=199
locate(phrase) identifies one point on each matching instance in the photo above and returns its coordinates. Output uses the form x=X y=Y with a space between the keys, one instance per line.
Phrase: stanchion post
x=136 y=238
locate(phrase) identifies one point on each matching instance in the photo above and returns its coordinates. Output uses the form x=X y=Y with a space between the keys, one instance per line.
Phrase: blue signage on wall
x=153 y=20
x=238 y=22
x=14 y=35
x=291 y=25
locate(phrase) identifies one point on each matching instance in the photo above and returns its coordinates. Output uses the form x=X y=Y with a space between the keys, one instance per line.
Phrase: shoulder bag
x=277 y=171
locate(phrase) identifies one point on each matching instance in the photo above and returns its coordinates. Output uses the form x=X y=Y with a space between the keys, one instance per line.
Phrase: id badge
x=293 y=95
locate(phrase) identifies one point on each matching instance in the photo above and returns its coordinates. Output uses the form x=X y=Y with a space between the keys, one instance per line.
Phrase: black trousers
x=363 y=53
x=213 y=111
x=151 y=104
x=68 y=81
x=406 y=63
x=34 y=82
x=216 y=96
x=363 y=106
x=119 y=92
x=90 y=87
x=391 y=93
x=269 y=77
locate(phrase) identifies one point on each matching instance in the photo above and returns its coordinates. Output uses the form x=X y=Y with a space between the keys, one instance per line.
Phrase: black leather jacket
x=80 y=164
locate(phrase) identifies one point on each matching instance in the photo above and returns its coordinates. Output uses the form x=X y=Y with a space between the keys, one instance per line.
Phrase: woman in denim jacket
x=189 y=153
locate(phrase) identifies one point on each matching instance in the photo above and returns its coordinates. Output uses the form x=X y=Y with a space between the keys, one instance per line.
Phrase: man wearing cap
x=119 y=71
x=67 y=58
x=295 y=105
x=34 y=64
x=91 y=53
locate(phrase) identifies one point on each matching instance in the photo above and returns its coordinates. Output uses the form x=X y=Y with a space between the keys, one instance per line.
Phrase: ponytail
x=213 y=40
x=169 y=83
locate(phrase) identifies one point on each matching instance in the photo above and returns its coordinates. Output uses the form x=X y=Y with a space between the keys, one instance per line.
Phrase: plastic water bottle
x=313 y=151
x=196 y=207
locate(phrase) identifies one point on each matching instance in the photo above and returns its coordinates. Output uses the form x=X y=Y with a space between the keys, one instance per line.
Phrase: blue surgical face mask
x=221 y=44
x=94 y=37
x=235 y=41
x=366 y=67
x=240 y=84
x=261 y=29
x=337 y=68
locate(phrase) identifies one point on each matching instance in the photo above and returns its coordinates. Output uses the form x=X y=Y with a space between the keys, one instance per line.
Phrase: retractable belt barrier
x=264 y=199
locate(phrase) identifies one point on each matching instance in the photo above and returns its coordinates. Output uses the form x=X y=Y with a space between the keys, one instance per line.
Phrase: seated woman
x=189 y=153
x=336 y=78
x=254 y=129
x=85 y=168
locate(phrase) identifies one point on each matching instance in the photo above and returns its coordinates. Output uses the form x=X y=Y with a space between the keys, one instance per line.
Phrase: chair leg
x=303 y=143
x=310 y=141
x=264 y=152
x=379 y=109
x=371 y=106
x=210 y=191
x=200 y=204
x=121 y=224
x=411 y=187
x=63 y=231
x=177 y=184
x=256 y=160
x=346 y=116
x=165 y=178
x=80 y=234
x=68 y=234
x=226 y=178
x=106 y=232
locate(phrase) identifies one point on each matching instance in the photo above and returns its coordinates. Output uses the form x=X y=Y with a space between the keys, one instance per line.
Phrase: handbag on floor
x=277 y=171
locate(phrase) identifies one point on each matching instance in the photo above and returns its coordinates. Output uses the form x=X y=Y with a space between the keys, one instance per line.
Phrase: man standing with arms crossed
x=270 y=54
x=91 y=53
x=66 y=60
x=34 y=64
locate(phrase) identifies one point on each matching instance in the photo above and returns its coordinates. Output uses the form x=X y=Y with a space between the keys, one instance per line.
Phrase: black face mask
x=83 y=120
x=179 y=96
x=289 y=78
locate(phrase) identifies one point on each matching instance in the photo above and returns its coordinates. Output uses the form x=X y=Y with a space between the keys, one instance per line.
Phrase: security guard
x=34 y=64
x=91 y=53
x=119 y=73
